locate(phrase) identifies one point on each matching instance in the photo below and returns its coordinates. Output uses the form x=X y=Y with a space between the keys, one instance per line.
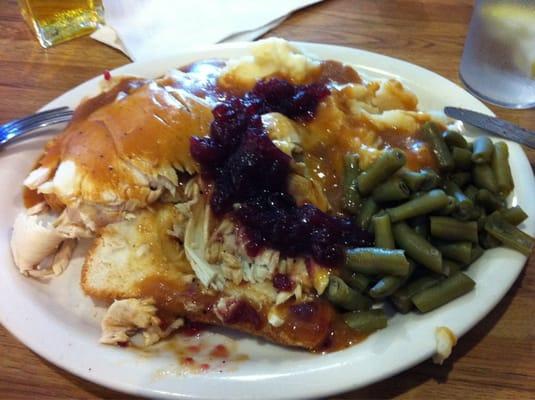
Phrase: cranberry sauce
x=250 y=174
x=283 y=283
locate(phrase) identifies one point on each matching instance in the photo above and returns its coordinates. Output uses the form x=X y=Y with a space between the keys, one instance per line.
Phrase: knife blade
x=492 y=124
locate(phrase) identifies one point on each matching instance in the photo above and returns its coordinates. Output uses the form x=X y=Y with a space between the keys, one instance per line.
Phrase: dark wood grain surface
x=495 y=360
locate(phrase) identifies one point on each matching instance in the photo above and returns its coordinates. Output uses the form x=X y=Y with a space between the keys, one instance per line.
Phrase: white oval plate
x=59 y=323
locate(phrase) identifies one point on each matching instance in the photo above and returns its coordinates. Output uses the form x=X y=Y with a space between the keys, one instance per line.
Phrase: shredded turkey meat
x=127 y=318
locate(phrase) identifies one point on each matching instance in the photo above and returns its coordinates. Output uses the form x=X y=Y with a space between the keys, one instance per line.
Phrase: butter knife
x=492 y=124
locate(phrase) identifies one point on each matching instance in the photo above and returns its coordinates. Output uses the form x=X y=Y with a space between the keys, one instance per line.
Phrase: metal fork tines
x=18 y=127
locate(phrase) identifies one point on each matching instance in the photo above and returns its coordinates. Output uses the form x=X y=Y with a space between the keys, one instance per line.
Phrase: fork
x=16 y=128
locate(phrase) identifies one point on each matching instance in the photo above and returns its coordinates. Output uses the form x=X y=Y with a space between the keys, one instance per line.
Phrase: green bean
x=474 y=214
x=341 y=295
x=489 y=200
x=483 y=150
x=389 y=162
x=501 y=168
x=382 y=229
x=389 y=284
x=514 y=215
x=451 y=229
x=366 y=321
x=481 y=222
x=471 y=191
x=351 y=197
x=355 y=280
x=451 y=267
x=402 y=297
x=477 y=251
x=425 y=180
x=483 y=177
x=373 y=260
x=461 y=179
x=458 y=251
x=414 y=180
x=471 y=214
x=432 y=179
x=464 y=204
x=449 y=208
x=479 y=214
x=509 y=234
x=462 y=158
x=488 y=241
x=434 y=200
x=420 y=225
x=454 y=139
x=417 y=247
x=443 y=292
x=364 y=217
x=417 y=195
x=394 y=189
x=385 y=286
x=402 y=303
x=470 y=146
x=431 y=133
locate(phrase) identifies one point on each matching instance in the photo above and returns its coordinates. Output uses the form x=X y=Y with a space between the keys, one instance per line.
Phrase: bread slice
x=127 y=252
x=143 y=257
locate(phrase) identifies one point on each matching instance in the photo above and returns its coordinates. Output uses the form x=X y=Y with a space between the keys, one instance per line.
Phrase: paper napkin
x=148 y=29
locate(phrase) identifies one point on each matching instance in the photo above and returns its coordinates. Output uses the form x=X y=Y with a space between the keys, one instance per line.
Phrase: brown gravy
x=140 y=119
x=31 y=197
x=315 y=324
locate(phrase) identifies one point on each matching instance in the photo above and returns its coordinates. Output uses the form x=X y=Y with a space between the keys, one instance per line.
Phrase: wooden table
x=494 y=360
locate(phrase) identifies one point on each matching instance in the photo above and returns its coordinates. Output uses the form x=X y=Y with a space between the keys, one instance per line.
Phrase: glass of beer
x=55 y=21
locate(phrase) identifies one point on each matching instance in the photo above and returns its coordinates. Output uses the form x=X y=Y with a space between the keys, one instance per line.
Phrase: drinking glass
x=498 y=62
x=55 y=21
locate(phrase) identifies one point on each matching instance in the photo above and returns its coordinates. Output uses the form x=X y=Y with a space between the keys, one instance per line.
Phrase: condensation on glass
x=55 y=21
x=498 y=63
